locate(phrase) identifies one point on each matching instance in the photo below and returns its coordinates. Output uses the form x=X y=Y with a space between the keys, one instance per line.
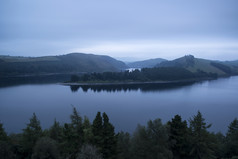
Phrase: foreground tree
x=123 y=146
x=97 y=129
x=6 y=151
x=77 y=129
x=30 y=135
x=55 y=131
x=109 y=139
x=45 y=148
x=231 y=144
x=87 y=131
x=89 y=152
x=72 y=136
x=178 y=137
x=151 y=142
x=202 y=145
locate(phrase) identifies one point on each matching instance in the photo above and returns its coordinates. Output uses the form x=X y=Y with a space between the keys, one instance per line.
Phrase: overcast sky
x=124 y=29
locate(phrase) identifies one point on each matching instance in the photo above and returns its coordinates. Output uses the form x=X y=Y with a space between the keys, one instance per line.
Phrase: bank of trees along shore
x=144 y=75
x=81 y=139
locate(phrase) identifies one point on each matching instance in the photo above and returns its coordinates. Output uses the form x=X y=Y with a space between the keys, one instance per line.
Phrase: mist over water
x=126 y=106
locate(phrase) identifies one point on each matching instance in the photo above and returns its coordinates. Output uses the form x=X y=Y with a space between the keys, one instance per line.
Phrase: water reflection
x=148 y=87
x=40 y=79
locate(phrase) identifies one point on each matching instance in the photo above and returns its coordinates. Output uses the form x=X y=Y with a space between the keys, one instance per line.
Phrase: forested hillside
x=81 y=139
x=70 y=63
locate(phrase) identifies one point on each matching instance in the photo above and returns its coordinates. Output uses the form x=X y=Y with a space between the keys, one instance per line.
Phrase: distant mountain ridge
x=194 y=65
x=69 y=63
x=74 y=63
x=145 y=63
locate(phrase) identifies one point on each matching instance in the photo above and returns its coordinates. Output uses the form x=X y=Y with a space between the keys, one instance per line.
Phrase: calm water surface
x=126 y=106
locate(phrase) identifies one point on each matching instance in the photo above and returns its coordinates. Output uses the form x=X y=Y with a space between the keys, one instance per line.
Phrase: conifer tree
x=151 y=142
x=232 y=139
x=97 y=129
x=3 y=134
x=31 y=134
x=55 y=131
x=87 y=131
x=45 y=148
x=109 y=139
x=178 y=137
x=123 y=146
x=77 y=129
x=201 y=144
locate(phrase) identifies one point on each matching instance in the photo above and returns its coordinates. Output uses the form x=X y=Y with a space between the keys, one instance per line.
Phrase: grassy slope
x=146 y=63
x=194 y=64
x=205 y=66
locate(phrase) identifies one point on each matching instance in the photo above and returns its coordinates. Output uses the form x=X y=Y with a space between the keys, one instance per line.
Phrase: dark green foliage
x=89 y=152
x=123 y=146
x=3 y=134
x=97 y=129
x=72 y=135
x=178 y=137
x=81 y=140
x=74 y=78
x=77 y=128
x=87 y=131
x=232 y=139
x=55 y=131
x=45 y=148
x=202 y=145
x=151 y=142
x=109 y=139
x=30 y=135
x=104 y=136
x=146 y=74
x=6 y=150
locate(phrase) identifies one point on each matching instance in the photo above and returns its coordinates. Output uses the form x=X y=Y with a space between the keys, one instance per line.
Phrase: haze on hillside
x=128 y=30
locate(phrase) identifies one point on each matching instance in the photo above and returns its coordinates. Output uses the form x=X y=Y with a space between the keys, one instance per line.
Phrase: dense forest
x=81 y=139
x=144 y=75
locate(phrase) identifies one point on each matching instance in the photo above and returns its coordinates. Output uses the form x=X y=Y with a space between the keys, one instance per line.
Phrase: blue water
x=217 y=100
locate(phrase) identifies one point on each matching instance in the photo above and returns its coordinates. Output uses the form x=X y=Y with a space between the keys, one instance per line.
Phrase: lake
x=126 y=105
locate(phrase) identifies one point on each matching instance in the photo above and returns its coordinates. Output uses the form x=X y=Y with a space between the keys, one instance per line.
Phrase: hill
x=70 y=63
x=197 y=65
x=146 y=63
x=232 y=63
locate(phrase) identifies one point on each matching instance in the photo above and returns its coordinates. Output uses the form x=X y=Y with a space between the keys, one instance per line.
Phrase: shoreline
x=134 y=82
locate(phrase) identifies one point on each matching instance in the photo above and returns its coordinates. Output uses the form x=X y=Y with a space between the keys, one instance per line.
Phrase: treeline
x=81 y=139
x=145 y=74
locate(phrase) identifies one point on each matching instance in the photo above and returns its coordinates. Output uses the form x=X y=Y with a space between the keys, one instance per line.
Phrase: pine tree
x=151 y=142
x=45 y=148
x=97 y=129
x=109 y=139
x=77 y=129
x=55 y=131
x=178 y=137
x=6 y=151
x=232 y=139
x=201 y=144
x=3 y=134
x=87 y=131
x=31 y=134
x=123 y=145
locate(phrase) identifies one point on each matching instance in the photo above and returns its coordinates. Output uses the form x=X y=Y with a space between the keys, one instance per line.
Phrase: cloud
x=164 y=49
